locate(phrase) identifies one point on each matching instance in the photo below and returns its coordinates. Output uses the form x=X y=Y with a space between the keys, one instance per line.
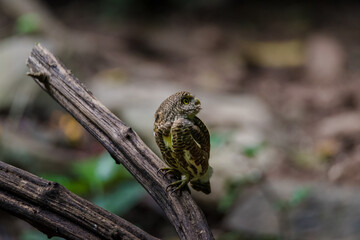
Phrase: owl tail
x=203 y=184
x=199 y=186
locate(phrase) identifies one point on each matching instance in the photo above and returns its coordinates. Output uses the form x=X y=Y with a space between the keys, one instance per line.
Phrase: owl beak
x=197 y=101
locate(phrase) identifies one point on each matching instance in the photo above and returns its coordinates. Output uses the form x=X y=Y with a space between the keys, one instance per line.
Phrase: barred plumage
x=184 y=141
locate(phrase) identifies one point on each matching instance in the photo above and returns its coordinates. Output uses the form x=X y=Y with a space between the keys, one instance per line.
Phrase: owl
x=184 y=142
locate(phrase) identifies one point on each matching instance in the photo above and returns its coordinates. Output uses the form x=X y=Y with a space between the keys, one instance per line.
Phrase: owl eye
x=185 y=100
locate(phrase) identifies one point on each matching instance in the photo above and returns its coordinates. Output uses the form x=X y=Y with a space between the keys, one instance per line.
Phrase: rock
x=346 y=170
x=230 y=163
x=327 y=213
x=207 y=37
x=327 y=148
x=256 y=215
x=325 y=59
x=275 y=54
x=220 y=71
x=342 y=124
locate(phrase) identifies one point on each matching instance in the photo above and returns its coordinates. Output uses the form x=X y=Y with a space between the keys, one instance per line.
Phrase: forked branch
x=120 y=140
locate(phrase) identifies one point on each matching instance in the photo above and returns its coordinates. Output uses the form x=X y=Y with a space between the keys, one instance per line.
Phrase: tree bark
x=121 y=141
x=56 y=211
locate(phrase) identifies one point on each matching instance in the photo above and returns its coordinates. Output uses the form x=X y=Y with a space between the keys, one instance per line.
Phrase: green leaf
x=85 y=171
x=105 y=169
x=234 y=189
x=122 y=199
x=63 y=180
x=36 y=235
x=92 y=176
x=219 y=138
x=228 y=200
x=299 y=195
x=28 y=23
x=253 y=151
x=74 y=186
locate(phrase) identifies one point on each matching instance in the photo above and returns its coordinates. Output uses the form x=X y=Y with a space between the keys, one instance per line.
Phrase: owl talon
x=177 y=185
x=179 y=192
x=169 y=187
x=174 y=191
x=167 y=171
x=159 y=171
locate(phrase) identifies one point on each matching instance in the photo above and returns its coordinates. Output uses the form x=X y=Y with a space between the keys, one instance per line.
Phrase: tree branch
x=120 y=140
x=56 y=211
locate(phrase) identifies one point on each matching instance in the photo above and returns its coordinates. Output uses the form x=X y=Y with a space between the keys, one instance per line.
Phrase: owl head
x=186 y=105
x=181 y=104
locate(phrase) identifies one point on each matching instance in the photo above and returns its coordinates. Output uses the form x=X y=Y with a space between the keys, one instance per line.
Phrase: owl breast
x=168 y=142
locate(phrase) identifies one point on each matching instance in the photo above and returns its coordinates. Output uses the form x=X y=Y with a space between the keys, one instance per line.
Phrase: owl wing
x=191 y=143
x=201 y=135
x=191 y=146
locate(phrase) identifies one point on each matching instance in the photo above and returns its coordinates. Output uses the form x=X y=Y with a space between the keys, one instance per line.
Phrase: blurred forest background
x=279 y=85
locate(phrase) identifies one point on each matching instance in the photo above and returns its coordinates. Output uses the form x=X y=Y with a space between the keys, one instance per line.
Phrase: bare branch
x=56 y=211
x=120 y=140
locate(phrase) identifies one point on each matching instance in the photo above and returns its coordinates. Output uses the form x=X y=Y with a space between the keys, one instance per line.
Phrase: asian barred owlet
x=184 y=142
